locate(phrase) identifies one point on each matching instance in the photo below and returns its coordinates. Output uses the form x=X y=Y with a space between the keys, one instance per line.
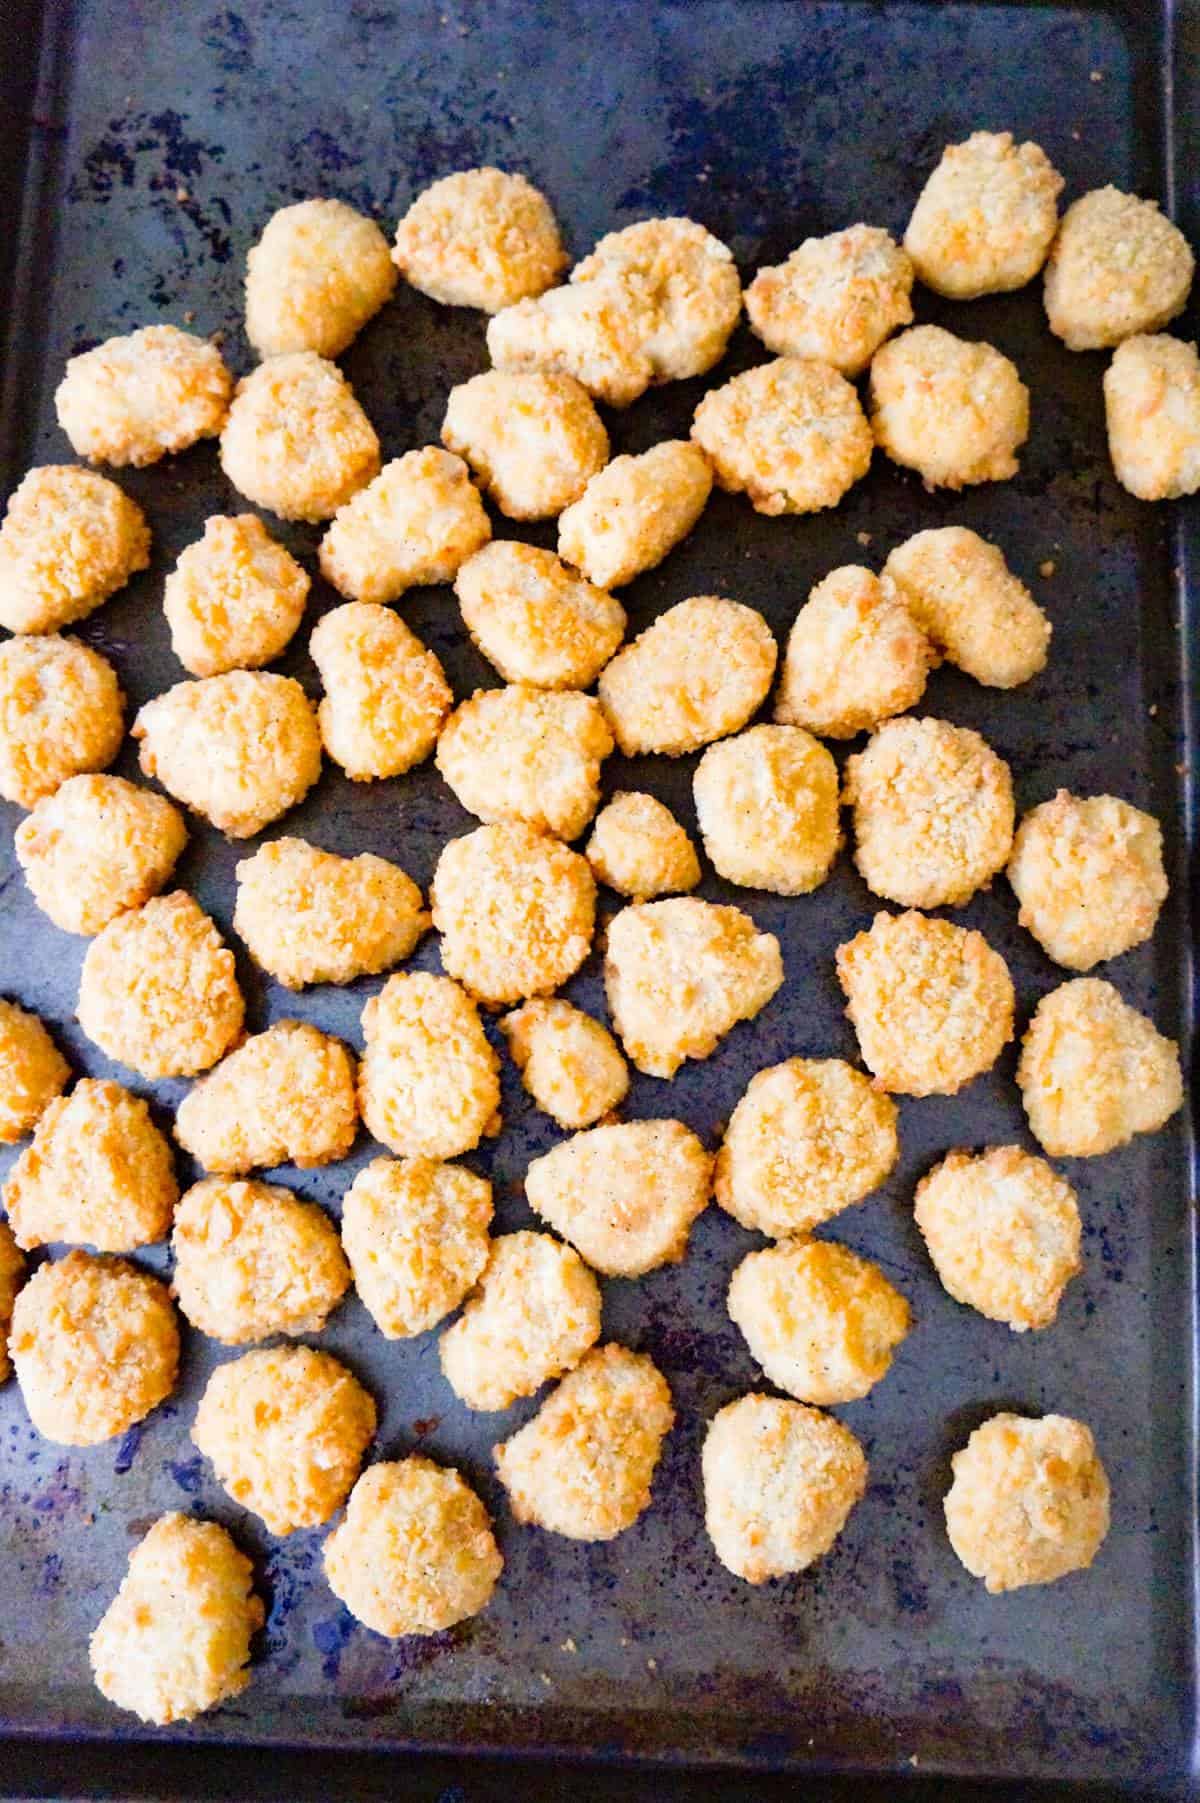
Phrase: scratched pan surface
x=165 y=137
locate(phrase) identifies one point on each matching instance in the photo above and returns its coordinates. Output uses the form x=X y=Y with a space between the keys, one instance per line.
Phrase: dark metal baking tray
x=158 y=141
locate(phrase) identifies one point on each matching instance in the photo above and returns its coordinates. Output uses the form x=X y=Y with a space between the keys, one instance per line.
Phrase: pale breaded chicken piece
x=976 y=613
x=534 y=1314
x=296 y=440
x=532 y=437
x=527 y=755
x=570 y=1064
x=1093 y=1071
x=635 y=511
x=136 y=399
x=416 y=1233
x=790 y=435
x=1088 y=873
x=97 y=847
x=835 y=299
x=626 y=1196
x=386 y=696
x=639 y=848
x=98 y=1173
x=285 y=1096
x=413 y=525
x=480 y=238
x=588 y=332
x=955 y=411
x=235 y=597
x=429 y=1082
x=698 y=672
x=61 y=712
x=317 y=273
x=534 y=619
x=32 y=1072
x=855 y=656
x=683 y=286
x=1029 y=1500
x=1152 y=405
x=767 y=804
x=69 y=540
x=12 y=1276
x=1116 y=268
x=986 y=217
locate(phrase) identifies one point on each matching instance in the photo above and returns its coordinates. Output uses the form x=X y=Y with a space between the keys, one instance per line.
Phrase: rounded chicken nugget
x=855 y=656
x=684 y=285
x=95 y=1345
x=625 y=1195
x=931 y=1003
x=158 y=990
x=296 y=440
x=767 y=803
x=534 y=1314
x=253 y=1260
x=285 y=1429
x=584 y=1465
x=530 y=755
x=537 y=621
x=698 y=672
x=516 y=910
x=97 y=847
x=410 y=527
x=32 y=1072
x=933 y=812
x=569 y=1063
x=639 y=848
x=61 y=712
x=234 y=599
x=69 y=540
x=1003 y=1231
x=780 y=1481
x=822 y=1322
x=315 y=277
x=809 y=1137
x=175 y=1640
x=385 y=694
x=285 y=1096
x=416 y=1234
x=98 y=1173
x=680 y=974
x=12 y=1275
x=835 y=299
x=429 y=1083
x=789 y=434
x=533 y=438
x=986 y=217
x=1116 y=268
x=1029 y=1500
x=1093 y=1071
x=1152 y=404
x=589 y=332
x=480 y=238
x=956 y=412
x=977 y=614
x=1088 y=873
x=635 y=511
x=142 y=397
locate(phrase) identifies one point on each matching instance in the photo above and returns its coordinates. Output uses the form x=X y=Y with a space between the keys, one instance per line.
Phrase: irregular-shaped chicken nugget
x=158 y=990
x=480 y=238
x=530 y=755
x=956 y=412
x=296 y=440
x=1117 y=267
x=569 y=1063
x=932 y=1003
x=234 y=598
x=175 y=1640
x=98 y=846
x=1093 y=1071
x=285 y=1429
x=385 y=694
x=315 y=277
x=589 y=332
x=429 y=1084
x=536 y=620
x=635 y=511
x=309 y=916
x=1152 y=404
x=767 y=803
x=95 y=1345
x=626 y=1195
x=12 y=1275
x=1029 y=1500
x=533 y=438
x=985 y=219
x=32 y=1072
x=855 y=656
x=61 y=712
x=69 y=540
x=1088 y=873
x=416 y=1234
x=253 y=1260
x=697 y=673
x=780 y=1481
x=534 y=1315
x=142 y=397
x=583 y=1466
x=810 y=1137
x=412 y=526
x=835 y=299
x=99 y=1173
x=639 y=848
x=516 y=910
x=789 y=434
x=683 y=285
x=284 y=1096
x=964 y=597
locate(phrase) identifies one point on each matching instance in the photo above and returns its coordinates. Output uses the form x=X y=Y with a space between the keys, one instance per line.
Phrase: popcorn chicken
x=95 y=848
x=1152 y=403
x=962 y=594
x=683 y=287
x=956 y=412
x=1116 y=268
x=589 y=332
x=416 y=1233
x=412 y=526
x=386 y=696
x=284 y=1096
x=309 y=916
x=767 y=803
x=429 y=1083
x=985 y=219
x=1088 y=873
x=252 y=1260
x=480 y=238
x=569 y=1063
x=790 y=435
x=32 y=1071
x=527 y=755
x=835 y=299
x=625 y=1196
x=533 y=438
x=855 y=656
x=69 y=540
x=1029 y=1501
x=296 y=440
x=136 y=399
x=635 y=511
x=234 y=599
x=98 y=1173
x=61 y=712
x=1093 y=1072
x=12 y=1275
x=639 y=848
x=534 y=1315
x=698 y=672
x=315 y=277
x=534 y=619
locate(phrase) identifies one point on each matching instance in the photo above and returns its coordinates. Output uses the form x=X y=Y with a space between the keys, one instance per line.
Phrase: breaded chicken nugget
x=625 y=1195
x=285 y=1429
x=569 y=1063
x=976 y=613
x=635 y=511
x=296 y=440
x=530 y=755
x=590 y=332
x=98 y=846
x=61 y=712
x=175 y=1640
x=780 y=1481
x=429 y=1083
x=95 y=1346
x=385 y=694
x=32 y=1072
x=789 y=434
x=12 y=1276
x=1003 y=1231
x=956 y=412
x=158 y=990
x=767 y=803
x=680 y=974
x=1152 y=403
x=932 y=1003
x=533 y=438
x=1093 y=1071
x=309 y=916
x=516 y=910
x=683 y=286
x=639 y=848
x=285 y=1096
x=810 y=1137
x=933 y=812
x=985 y=219
x=139 y=398
x=855 y=656
x=835 y=299
x=480 y=238
x=698 y=672
x=98 y=1173
x=234 y=598
x=1116 y=268
x=583 y=1466
x=822 y=1322
x=1029 y=1501
x=69 y=540
x=410 y=527
x=253 y=1260
x=533 y=1315
x=537 y=621
x=1088 y=873
x=315 y=277
x=416 y=1234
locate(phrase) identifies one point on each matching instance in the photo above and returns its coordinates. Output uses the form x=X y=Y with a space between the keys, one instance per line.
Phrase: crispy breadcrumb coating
x=284 y=1096
x=61 y=712
x=1116 y=268
x=309 y=916
x=767 y=804
x=985 y=219
x=32 y=1072
x=480 y=238
x=1093 y=1071
x=977 y=614
x=639 y=848
x=536 y=620
x=835 y=299
x=956 y=412
x=416 y=1233
x=413 y=525
x=386 y=696
x=1029 y=1501
x=316 y=275
x=252 y=1260
x=527 y=755
x=1152 y=403
x=98 y=1173
x=570 y=1064
x=69 y=540
x=234 y=598
x=790 y=434
x=532 y=437
x=136 y=399
x=1088 y=873
x=635 y=511
x=698 y=672
x=534 y=1314
x=296 y=440
x=97 y=847
x=625 y=1195
x=429 y=1083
